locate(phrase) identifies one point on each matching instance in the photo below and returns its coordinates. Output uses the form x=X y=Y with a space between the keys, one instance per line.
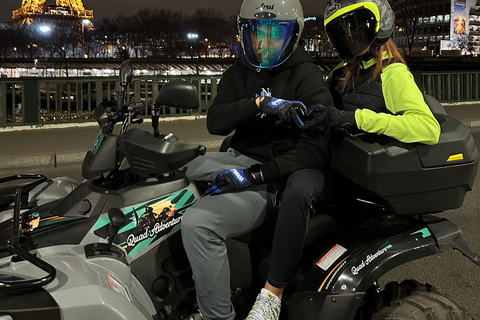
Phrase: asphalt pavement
x=60 y=144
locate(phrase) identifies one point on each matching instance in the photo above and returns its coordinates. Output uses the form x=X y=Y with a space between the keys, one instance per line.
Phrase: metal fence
x=37 y=101
x=450 y=86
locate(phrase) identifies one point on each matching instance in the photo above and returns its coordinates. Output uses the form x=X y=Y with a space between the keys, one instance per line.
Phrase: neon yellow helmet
x=354 y=26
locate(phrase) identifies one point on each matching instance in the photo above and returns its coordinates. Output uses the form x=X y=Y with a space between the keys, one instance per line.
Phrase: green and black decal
x=149 y=221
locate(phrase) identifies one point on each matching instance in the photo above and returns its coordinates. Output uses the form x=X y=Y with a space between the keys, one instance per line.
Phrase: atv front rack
x=21 y=200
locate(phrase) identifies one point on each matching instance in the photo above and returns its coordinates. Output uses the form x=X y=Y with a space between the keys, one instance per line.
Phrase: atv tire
x=411 y=300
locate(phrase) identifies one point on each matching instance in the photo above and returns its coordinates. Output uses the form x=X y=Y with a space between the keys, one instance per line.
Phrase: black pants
x=304 y=188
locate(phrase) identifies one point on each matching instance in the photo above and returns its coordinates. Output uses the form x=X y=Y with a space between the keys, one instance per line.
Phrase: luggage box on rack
x=411 y=178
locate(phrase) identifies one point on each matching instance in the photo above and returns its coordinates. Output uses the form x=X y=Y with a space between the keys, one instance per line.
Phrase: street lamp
x=84 y=22
x=194 y=37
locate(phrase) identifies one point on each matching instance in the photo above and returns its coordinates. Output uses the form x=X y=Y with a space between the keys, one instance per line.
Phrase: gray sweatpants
x=211 y=220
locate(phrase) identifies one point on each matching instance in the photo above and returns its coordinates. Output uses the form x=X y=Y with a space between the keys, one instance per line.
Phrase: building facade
x=436 y=26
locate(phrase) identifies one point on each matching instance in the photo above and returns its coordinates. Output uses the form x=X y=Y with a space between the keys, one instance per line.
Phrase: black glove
x=231 y=180
x=327 y=117
x=285 y=110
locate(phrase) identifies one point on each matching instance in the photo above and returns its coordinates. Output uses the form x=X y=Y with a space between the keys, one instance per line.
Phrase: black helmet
x=270 y=31
x=353 y=26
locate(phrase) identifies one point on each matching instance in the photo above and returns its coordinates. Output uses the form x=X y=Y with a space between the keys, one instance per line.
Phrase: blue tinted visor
x=267 y=43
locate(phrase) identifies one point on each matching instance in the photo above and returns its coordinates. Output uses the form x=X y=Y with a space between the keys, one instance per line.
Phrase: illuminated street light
x=84 y=22
x=44 y=28
x=194 y=37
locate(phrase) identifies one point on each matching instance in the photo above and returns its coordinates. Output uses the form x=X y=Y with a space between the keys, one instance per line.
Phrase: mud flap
x=449 y=236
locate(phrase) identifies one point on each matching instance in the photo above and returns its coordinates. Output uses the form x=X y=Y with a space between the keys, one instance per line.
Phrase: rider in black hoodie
x=256 y=100
x=281 y=149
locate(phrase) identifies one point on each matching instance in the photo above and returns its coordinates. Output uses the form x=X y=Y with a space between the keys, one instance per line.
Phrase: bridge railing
x=450 y=86
x=39 y=101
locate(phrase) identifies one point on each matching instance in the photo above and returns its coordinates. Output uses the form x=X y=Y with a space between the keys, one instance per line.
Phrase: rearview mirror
x=178 y=94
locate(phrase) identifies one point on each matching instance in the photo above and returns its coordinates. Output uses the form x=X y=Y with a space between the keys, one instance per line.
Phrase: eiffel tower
x=64 y=12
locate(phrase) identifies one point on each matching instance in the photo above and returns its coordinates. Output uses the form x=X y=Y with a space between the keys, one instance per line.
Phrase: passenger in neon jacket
x=373 y=88
x=390 y=104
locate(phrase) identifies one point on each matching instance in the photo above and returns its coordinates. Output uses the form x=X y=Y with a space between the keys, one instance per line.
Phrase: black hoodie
x=282 y=150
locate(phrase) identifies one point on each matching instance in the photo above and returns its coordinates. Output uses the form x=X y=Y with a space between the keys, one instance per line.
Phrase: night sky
x=111 y=8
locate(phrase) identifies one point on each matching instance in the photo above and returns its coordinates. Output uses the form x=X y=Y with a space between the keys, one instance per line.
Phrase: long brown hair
x=394 y=55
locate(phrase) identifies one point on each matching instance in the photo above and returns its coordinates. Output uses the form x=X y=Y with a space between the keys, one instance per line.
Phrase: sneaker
x=266 y=307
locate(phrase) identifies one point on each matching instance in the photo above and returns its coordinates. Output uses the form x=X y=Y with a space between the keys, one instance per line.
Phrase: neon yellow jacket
x=411 y=119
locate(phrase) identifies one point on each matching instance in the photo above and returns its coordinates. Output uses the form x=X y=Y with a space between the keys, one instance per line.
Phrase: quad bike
x=110 y=247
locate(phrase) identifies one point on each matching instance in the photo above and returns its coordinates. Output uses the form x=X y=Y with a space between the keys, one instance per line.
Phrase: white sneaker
x=266 y=307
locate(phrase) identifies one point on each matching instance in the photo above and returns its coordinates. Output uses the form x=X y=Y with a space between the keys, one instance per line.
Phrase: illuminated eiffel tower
x=64 y=12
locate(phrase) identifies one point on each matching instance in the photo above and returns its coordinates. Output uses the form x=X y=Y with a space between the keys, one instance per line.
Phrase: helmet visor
x=267 y=43
x=352 y=33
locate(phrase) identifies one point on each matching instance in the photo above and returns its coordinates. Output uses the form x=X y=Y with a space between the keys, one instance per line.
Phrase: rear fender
x=334 y=285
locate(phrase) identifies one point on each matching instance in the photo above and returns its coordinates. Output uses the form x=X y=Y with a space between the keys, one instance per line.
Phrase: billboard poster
x=459 y=18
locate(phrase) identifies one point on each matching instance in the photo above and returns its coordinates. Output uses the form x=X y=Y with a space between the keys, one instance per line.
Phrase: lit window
x=447 y=17
x=432 y=19
x=440 y=18
x=432 y=38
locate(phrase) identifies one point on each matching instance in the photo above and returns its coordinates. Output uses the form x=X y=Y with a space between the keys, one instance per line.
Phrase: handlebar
x=111 y=112
x=14 y=246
